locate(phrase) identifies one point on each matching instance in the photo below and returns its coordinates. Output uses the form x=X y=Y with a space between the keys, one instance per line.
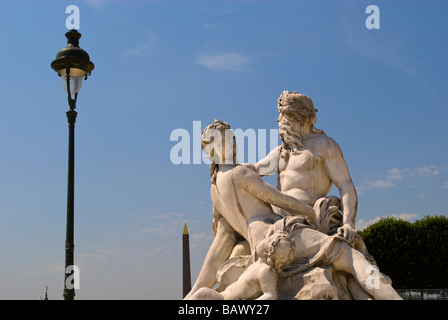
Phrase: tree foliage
x=413 y=255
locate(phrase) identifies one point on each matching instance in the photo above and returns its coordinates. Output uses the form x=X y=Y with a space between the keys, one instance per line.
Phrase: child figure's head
x=279 y=250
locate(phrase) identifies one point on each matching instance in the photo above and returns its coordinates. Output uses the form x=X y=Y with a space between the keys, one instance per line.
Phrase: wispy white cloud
x=157 y=252
x=157 y=223
x=395 y=174
x=46 y=269
x=147 y=46
x=158 y=231
x=362 y=224
x=96 y=3
x=225 y=61
x=423 y=172
x=92 y=257
x=97 y=256
x=215 y=11
x=166 y=216
x=198 y=240
x=382 y=184
x=201 y=236
x=209 y=26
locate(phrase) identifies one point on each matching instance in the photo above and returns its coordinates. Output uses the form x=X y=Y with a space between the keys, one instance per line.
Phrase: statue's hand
x=347 y=232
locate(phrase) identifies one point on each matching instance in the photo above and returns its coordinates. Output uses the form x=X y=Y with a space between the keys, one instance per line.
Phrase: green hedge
x=413 y=255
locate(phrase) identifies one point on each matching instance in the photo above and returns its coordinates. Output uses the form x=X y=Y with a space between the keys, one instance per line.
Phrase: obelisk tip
x=185 y=229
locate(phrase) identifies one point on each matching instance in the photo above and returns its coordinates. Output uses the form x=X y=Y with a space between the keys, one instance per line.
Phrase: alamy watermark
x=374 y=278
x=373 y=20
x=252 y=144
x=72 y=21
x=73 y=280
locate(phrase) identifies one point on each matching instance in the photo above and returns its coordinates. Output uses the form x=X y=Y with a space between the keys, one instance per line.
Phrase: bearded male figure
x=308 y=163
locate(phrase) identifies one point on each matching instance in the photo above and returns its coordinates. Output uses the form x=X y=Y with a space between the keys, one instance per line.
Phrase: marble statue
x=309 y=162
x=329 y=261
x=259 y=281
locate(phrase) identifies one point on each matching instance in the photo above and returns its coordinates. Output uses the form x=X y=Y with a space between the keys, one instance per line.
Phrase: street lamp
x=72 y=64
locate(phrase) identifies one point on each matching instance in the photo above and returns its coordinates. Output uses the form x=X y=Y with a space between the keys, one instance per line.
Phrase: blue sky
x=160 y=66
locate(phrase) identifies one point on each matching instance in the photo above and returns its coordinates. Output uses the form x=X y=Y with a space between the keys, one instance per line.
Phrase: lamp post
x=72 y=64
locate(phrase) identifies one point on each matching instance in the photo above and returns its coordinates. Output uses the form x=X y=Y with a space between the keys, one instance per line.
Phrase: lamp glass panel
x=76 y=76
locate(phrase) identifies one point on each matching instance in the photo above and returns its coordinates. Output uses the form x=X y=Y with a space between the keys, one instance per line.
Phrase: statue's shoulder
x=325 y=144
x=241 y=171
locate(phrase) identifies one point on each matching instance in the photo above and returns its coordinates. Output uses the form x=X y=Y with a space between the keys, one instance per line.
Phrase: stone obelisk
x=186 y=274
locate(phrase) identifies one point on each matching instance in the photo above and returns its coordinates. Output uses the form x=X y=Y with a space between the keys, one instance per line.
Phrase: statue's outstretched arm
x=269 y=165
x=250 y=181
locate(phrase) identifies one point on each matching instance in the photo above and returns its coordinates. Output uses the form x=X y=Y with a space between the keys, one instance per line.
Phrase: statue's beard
x=291 y=139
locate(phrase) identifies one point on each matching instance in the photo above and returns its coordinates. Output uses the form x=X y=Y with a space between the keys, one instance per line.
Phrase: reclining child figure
x=259 y=280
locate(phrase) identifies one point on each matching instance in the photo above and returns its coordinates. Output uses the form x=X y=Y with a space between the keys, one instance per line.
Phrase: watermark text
x=253 y=144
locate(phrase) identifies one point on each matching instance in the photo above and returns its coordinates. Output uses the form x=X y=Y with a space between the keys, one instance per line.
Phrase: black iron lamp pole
x=72 y=64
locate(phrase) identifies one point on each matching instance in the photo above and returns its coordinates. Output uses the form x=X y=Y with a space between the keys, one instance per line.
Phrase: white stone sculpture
x=309 y=162
x=259 y=280
x=330 y=261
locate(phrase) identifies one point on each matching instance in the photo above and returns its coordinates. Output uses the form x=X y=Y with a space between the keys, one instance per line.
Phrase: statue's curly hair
x=271 y=249
x=298 y=108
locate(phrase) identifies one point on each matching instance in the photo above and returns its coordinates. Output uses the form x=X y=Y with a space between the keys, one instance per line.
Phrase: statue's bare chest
x=302 y=161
